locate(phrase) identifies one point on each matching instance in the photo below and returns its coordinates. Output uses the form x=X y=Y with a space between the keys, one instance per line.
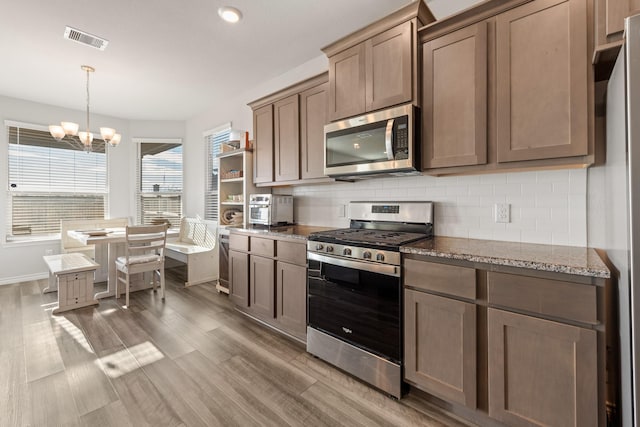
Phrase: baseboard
x=25 y=278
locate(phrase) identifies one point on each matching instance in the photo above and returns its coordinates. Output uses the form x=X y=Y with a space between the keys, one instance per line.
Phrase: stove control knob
x=319 y=247
x=366 y=255
x=329 y=248
x=346 y=251
x=380 y=257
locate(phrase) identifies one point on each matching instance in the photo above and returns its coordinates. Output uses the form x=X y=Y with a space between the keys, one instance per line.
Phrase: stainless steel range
x=355 y=290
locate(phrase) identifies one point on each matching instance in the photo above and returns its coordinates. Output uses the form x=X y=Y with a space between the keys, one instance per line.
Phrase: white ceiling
x=167 y=59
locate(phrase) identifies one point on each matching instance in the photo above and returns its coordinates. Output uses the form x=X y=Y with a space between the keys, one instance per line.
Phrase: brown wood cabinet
x=609 y=17
x=440 y=346
x=506 y=86
x=541 y=372
x=261 y=286
x=289 y=143
x=542 y=62
x=347 y=83
x=287 y=139
x=263 y=144
x=291 y=298
x=455 y=98
x=239 y=278
x=389 y=67
x=524 y=347
x=376 y=67
x=313 y=117
x=268 y=280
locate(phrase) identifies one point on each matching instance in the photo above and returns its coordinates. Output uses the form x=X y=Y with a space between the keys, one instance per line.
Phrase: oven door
x=357 y=302
x=259 y=214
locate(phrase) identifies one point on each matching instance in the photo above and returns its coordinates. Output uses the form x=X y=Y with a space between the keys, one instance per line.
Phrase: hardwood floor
x=192 y=361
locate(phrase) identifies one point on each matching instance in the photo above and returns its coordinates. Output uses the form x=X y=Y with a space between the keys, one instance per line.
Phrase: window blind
x=213 y=140
x=51 y=180
x=159 y=182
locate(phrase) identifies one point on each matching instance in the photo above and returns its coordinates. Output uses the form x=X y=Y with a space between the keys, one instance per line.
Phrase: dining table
x=114 y=239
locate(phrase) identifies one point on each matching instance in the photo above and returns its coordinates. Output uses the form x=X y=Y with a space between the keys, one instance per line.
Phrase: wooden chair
x=144 y=251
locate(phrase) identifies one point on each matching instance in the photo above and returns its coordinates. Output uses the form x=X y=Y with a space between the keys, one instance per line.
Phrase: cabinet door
x=440 y=346
x=541 y=80
x=455 y=98
x=389 y=67
x=610 y=16
x=291 y=298
x=541 y=372
x=313 y=117
x=261 y=286
x=347 y=83
x=263 y=144
x=239 y=278
x=287 y=139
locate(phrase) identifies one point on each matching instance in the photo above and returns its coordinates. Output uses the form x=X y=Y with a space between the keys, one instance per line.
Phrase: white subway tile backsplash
x=546 y=206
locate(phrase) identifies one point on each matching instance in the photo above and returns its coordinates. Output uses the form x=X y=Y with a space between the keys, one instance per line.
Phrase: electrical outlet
x=503 y=212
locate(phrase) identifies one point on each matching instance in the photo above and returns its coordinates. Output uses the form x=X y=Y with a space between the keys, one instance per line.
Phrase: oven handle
x=386 y=269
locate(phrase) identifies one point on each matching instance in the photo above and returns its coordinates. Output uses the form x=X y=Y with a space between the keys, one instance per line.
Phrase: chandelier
x=109 y=135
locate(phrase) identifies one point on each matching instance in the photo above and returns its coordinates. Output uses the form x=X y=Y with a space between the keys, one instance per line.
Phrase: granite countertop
x=559 y=259
x=300 y=232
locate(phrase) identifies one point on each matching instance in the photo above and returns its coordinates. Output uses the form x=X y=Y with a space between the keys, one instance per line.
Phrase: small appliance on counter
x=270 y=209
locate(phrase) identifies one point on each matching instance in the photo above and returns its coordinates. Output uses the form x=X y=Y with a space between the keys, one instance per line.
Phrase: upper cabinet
x=263 y=144
x=455 y=98
x=313 y=117
x=610 y=16
x=608 y=32
x=541 y=80
x=288 y=129
x=507 y=86
x=376 y=67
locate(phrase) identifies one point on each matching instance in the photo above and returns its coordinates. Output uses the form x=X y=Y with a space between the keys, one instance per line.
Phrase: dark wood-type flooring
x=192 y=361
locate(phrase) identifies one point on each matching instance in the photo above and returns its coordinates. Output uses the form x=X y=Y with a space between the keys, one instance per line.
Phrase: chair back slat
x=142 y=239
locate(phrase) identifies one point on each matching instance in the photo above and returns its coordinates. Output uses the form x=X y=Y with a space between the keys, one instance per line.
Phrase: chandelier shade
x=59 y=132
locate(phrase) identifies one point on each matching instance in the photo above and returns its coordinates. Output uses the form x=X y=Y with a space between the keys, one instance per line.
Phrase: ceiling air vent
x=85 y=38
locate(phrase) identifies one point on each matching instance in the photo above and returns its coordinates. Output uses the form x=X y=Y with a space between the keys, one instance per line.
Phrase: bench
x=195 y=247
x=72 y=275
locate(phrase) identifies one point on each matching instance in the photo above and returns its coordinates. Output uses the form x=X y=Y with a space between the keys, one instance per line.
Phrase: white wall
x=23 y=261
x=239 y=114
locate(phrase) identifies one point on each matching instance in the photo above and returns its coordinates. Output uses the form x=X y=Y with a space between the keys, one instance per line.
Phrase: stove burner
x=366 y=236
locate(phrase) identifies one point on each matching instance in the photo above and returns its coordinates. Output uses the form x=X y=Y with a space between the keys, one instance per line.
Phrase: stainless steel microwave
x=378 y=143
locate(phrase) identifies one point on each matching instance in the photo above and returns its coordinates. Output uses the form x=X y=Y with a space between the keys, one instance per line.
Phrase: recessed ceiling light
x=230 y=14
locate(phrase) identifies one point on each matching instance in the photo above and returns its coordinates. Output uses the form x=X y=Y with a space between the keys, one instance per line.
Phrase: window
x=159 y=181
x=51 y=180
x=213 y=139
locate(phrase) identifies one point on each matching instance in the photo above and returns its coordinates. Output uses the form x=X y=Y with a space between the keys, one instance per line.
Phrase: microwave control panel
x=401 y=140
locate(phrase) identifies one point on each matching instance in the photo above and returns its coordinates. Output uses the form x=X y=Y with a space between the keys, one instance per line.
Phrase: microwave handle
x=388 y=140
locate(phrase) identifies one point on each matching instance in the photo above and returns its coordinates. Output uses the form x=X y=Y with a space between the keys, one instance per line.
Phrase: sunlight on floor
x=75 y=332
x=129 y=359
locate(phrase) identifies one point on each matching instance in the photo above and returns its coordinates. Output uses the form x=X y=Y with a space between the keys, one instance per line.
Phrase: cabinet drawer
x=446 y=279
x=263 y=247
x=238 y=242
x=295 y=253
x=544 y=296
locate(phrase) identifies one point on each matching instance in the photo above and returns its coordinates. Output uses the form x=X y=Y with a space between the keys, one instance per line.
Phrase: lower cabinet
x=522 y=348
x=239 y=278
x=541 y=373
x=261 y=286
x=440 y=346
x=268 y=280
x=291 y=298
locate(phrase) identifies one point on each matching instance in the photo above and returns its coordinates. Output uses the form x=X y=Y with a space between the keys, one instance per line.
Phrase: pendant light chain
x=88 y=127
